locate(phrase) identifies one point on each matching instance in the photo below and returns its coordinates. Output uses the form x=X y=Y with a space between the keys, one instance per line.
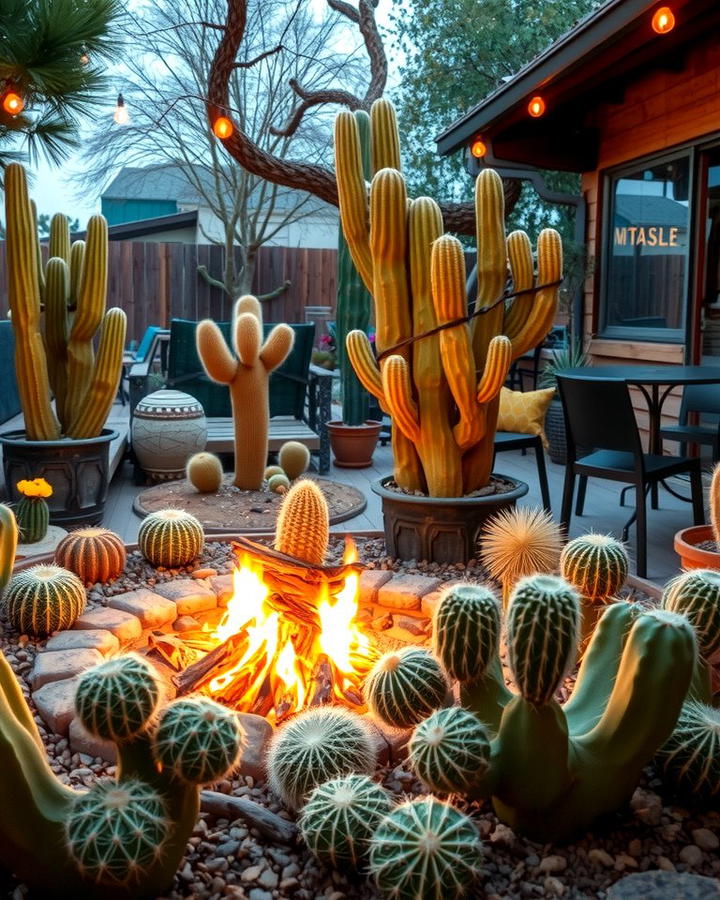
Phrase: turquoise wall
x=117 y=212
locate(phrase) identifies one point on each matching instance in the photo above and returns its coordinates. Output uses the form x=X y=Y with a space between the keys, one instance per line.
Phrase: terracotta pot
x=691 y=556
x=353 y=445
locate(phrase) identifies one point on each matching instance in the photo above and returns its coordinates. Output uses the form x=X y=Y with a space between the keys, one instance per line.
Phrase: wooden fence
x=155 y=282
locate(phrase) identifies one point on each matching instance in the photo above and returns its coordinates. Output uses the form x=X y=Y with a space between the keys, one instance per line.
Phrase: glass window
x=646 y=264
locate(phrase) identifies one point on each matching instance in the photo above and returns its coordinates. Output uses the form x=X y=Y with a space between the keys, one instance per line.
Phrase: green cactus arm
x=353 y=194
x=539 y=322
x=385 y=138
x=77 y=259
x=487 y=697
x=398 y=396
x=8 y=544
x=363 y=362
x=277 y=347
x=214 y=353
x=491 y=259
x=519 y=251
x=57 y=296
x=497 y=365
x=59 y=243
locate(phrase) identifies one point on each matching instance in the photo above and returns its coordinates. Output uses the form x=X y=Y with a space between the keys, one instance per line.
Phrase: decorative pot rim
x=521 y=488
x=368 y=424
x=17 y=436
x=686 y=540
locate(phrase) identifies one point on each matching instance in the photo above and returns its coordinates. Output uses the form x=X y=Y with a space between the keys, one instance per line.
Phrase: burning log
x=195 y=676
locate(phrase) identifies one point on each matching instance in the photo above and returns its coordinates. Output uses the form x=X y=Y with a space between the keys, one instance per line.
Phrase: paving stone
x=97 y=639
x=223 y=587
x=371 y=580
x=405 y=592
x=258 y=732
x=403 y=636
x=123 y=625
x=82 y=742
x=430 y=601
x=56 y=665
x=152 y=609
x=185 y=623
x=664 y=886
x=55 y=701
x=190 y=596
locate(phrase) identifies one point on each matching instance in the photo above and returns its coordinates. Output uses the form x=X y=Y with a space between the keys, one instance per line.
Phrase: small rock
x=185 y=623
x=223 y=587
x=98 y=639
x=691 y=855
x=252 y=873
x=260 y=894
x=624 y=861
x=382 y=623
x=664 y=886
x=553 y=863
x=503 y=836
x=635 y=847
x=83 y=742
x=554 y=887
x=647 y=806
x=406 y=591
x=203 y=573
x=665 y=864
x=55 y=702
x=705 y=839
x=190 y=596
x=258 y=732
x=599 y=857
x=269 y=879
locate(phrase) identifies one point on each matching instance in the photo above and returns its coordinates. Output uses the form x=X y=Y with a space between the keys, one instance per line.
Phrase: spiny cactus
x=116 y=832
x=294 y=459
x=247 y=377
x=696 y=594
x=118 y=699
x=33 y=518
x=204 y=471
x=691 y=757
x=444 y=415
x=198 y=740
x=714 y=503
x=596 y=565
x=279 y=483
x=8 y=544
x=466 y=630
x=93 y=554
x=449 y=750
x=43 y=599
x=315 y=746
x=170 y=537
x=340 y=817
x=272 y=470
x=73 y=290
x=425 y=848
x=404 y=686
x=303 y=523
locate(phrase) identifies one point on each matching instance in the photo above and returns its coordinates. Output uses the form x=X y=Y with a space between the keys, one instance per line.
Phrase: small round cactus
x=405 y=686
x=204 y=471
x=691 y=756
x=198 y=739
x=43 y=599
x=272 y=470
x=425 y=849
x=466 y=630
x=294 y=459
x=115 y=832
x=316 y=746
x=33 y=518
x=596 y=565
x=696 y=594
x=117 y=699
x=170 y=537
x=450 y=750
x=340 y=817
x=93 y=554
x=303 y=523
x=279 y=483
x=542 y=634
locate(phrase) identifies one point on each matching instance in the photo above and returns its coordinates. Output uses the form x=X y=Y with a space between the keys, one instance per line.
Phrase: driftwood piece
x=195 y=675
x=268 y=823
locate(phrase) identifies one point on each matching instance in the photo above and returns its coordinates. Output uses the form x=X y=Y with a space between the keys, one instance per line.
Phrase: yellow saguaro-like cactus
x=440 y=384
x=247 y=377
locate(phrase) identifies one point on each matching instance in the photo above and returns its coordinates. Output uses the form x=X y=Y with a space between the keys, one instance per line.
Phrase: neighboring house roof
x=643 y=211
x=127 y=230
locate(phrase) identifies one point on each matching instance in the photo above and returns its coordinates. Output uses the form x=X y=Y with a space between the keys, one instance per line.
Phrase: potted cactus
x=438 y=375
x=56 y=310
x=699 y=546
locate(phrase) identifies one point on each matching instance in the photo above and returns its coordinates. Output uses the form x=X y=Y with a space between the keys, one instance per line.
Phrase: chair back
x=598 y=415
x=288 y=383
x=146 y=342
x=700 y=398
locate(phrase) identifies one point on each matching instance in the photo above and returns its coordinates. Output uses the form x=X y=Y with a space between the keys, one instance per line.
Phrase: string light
x=479 y=148
x=663 y=20
x=222 y=127
x=13 y=103
x=536 y=107
x=121 y=114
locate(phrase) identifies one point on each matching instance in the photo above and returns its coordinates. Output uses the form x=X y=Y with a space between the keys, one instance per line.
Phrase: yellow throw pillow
x=524 y=413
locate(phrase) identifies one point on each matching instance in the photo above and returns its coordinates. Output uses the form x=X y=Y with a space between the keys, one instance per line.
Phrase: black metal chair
x=599 y=414
x=508 y=440
x=696 y=398
x=517 y=375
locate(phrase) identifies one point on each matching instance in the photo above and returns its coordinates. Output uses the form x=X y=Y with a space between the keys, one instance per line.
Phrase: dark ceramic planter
x=77 y=470
x=439 y=529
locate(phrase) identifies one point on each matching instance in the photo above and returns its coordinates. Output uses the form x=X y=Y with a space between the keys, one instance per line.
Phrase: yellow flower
x=38 y=487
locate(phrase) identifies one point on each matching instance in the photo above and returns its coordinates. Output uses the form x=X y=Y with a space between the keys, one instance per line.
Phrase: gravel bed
x=225 y=859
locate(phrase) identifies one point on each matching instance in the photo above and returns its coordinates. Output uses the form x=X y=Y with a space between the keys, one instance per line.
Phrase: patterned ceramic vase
x=168 y=427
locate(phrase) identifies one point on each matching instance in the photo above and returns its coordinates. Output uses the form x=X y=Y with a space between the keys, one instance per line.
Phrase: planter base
x=353 y=445
x=692 y=556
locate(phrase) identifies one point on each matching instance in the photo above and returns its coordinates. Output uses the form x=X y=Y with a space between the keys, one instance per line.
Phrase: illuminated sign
x=653 y=236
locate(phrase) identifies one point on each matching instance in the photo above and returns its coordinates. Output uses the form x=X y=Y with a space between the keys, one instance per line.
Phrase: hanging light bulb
x=663 y=21
x=222 y=127
x=84 y=58
x=13 y=103
x=478 y=148
x=121 y=114
x=536 y=107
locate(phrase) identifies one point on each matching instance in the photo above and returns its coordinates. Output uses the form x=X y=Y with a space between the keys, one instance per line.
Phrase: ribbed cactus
x=404 y=686
x=33 y=519
x=294 y=459
x=43 y=599
x=596 y=565
x=61 y=361
x=450 y=750
x=714 y=503
x=443 y=392
x=696 y=594
x=341 y=816
x=691 y=757
x=247 y=377
x=8 y=545
x=204 y=471
x=278 y=483
x=425 y=848
x=302 y=528
x=466 y=630
x=93 y=554
x=317 y=745
x=273 y=470
x=170 y=537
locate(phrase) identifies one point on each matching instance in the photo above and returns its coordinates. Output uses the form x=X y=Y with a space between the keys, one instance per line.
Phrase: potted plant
x=354 y=438
x=571 y=356
x=438 y=373
x=699 y=546
x=55 y=312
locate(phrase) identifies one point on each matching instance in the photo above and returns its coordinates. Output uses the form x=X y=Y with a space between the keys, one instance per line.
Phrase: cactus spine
x=302 y=529
x=404 y=686
x=170 y=537
x=93 y=554
x=204 y=472
x=247 y=378
x=8 y=545
x=73 y=290
x=44 y=599
x=445 y=414
x=33 y=519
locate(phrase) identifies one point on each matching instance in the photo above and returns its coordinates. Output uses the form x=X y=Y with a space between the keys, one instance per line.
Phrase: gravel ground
x=225 y=859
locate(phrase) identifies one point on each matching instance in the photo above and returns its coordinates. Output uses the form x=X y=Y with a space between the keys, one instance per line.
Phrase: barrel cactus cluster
x=56 y=313
x=94 y=554
x=171 y=537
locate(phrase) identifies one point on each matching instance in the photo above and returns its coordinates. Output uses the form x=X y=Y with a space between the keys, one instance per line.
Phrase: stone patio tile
x=371 y=580
x=406 y=591
x=56 y=665
x=123 y=625
x=190 y=596
x=223 y=587
x=97 y=639
x=430 y=601
x=55 y=701
x=152 y=609
x=258 y=732
x=82 y=742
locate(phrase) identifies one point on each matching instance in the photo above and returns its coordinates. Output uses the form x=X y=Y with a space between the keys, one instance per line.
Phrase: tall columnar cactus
x=8 y=544
x=303 y=523
x=54 y=354
x=714 y=503
x=124 y=837
x=442 y=391
x=247 y=377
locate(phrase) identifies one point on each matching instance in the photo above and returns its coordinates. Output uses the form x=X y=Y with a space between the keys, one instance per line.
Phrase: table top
x=644 y=374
